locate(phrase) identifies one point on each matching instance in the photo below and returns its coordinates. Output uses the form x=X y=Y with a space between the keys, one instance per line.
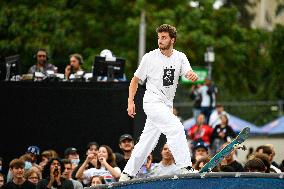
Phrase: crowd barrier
x=216 y=180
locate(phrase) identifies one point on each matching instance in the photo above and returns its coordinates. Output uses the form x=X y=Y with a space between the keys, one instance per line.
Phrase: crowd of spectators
x=36 y=169
x=208 y=138
x=101 y=165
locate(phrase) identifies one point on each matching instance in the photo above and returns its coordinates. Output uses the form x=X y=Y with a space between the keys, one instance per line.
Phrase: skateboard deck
x=235 y=143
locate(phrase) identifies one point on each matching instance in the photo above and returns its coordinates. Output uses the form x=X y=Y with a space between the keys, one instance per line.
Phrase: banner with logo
x=202 y=73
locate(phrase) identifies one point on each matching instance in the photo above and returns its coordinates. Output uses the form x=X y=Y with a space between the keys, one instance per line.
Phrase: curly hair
x=46 y=170
x=169 y=29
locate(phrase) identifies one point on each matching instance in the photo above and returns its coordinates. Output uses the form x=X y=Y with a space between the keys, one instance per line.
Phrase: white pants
x=160 y=119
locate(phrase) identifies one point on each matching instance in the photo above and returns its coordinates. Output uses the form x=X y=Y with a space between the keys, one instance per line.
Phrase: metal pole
x=142 y=36
x=210 y=70
x=280 y=104
x=209 y=59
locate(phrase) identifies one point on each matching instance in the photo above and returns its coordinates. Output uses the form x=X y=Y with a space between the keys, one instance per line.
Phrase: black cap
x=34 y=150
x=125 y=136
x=70 y=150
x=200 y=144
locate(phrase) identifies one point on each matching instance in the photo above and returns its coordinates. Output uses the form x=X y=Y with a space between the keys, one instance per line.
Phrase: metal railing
x=256 y=112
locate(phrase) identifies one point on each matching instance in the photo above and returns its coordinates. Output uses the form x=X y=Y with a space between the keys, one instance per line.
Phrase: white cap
x=106 y=53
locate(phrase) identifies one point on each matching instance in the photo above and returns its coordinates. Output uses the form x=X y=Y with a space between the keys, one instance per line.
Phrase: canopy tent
x=189 y=123
x=238 y=124
x=235 y=122
x=274 y=127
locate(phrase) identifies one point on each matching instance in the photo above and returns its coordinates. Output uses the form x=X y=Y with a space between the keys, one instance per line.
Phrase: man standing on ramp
x=161 y=69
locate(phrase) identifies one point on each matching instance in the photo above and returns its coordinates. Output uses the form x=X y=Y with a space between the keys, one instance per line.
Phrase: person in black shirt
x=264 y=158
x=17 y=170
x=230 y=160
x=126 y=144
x=52 y=176
x=222 y=133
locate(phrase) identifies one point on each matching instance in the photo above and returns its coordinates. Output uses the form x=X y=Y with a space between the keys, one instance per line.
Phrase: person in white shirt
x=215 y=116
x=208 y=93
x=161 y=68
x=167 y=165
x=106 y=167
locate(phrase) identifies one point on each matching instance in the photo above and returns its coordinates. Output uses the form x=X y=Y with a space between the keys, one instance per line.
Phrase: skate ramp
x=204 y=181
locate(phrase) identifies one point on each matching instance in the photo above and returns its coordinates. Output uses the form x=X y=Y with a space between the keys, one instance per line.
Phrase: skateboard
x=235 y=144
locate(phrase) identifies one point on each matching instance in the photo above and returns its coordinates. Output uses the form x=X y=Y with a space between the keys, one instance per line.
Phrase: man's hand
x=191 y=75
x=131 y=108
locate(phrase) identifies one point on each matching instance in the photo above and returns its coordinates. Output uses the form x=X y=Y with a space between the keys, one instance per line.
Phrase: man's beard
x=166 y=47
x=42 y=62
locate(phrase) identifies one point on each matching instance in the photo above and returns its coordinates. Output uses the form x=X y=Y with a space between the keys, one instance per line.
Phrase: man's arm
x=132 y=91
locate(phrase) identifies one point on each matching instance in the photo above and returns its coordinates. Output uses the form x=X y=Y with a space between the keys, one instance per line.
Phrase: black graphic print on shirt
x=168 y=78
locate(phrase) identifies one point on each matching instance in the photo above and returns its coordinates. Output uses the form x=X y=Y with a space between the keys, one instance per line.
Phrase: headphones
x=41 y=49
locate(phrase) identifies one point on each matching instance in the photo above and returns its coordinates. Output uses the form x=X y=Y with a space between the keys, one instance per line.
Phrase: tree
x=275 y=75
x=245 y=17
x=63 y=27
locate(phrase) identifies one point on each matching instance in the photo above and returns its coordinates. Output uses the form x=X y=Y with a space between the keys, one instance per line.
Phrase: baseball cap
x=125 y=136
x=34 y=150
x=70 y=150
x=200 y=144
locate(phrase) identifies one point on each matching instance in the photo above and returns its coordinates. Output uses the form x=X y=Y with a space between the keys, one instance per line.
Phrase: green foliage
x=67 y=26
x=245 y=16
x=248 y=62
x=275 y=74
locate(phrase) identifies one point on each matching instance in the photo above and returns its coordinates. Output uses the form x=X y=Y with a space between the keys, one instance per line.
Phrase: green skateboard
x=236 y=143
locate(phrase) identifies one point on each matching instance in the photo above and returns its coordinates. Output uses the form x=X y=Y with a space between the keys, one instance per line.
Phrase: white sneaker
x=124 y=177
x=186 y=170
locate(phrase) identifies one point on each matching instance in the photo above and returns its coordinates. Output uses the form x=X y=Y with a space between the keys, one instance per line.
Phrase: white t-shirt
x=162 y=170
x=204 y=96
x=215 y=118
x=89 y=173
x=206 y=101
x=162 y=74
